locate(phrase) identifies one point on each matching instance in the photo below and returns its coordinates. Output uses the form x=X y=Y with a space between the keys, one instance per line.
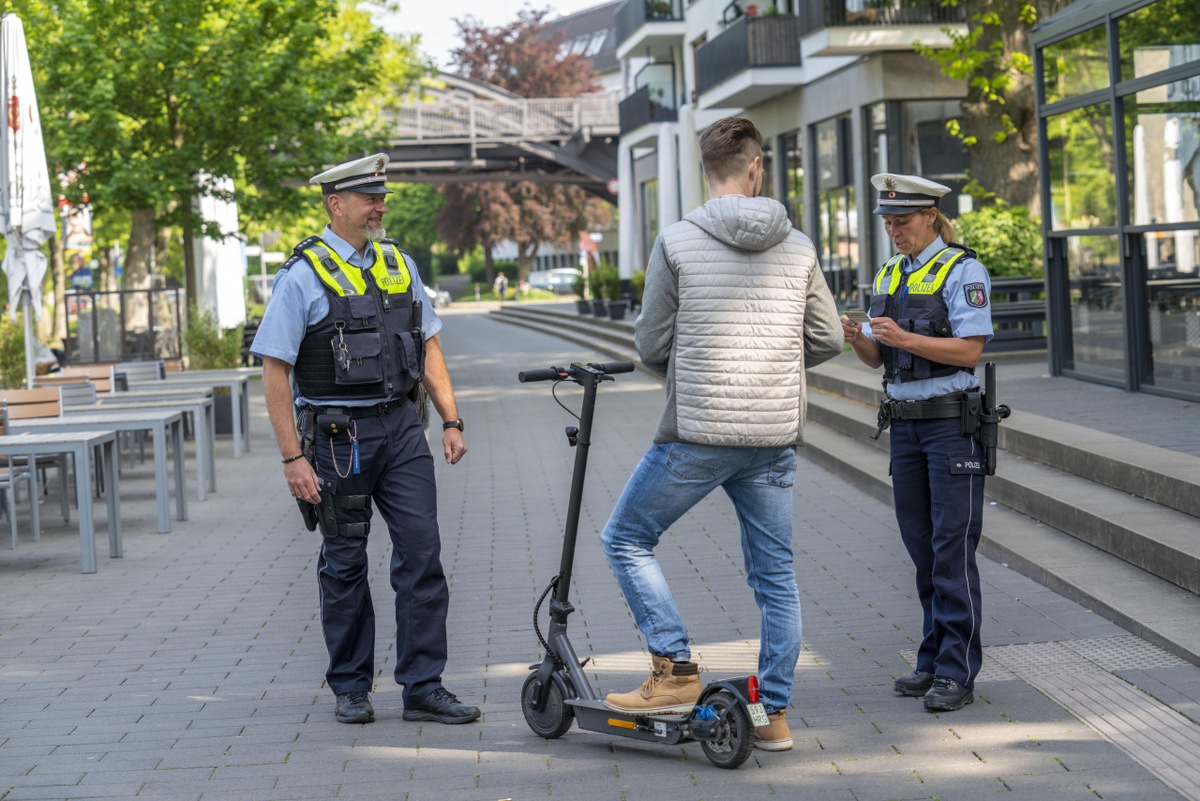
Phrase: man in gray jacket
x=735 y=309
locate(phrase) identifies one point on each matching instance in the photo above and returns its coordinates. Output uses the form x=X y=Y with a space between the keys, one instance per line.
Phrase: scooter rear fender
x=738 y=686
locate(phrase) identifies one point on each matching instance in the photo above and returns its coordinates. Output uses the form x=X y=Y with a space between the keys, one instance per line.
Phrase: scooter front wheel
x=736 y=739
x=555 y=719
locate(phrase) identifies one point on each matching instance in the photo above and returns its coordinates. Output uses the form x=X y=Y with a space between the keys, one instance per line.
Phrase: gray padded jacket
x=735 y=309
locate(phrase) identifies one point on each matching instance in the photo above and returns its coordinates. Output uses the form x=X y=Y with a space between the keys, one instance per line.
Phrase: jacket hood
x=746 y=223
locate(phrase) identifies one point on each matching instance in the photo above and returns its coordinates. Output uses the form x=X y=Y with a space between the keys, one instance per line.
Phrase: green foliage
x=411 y=218
x=1008 y=240
x=637 y=282
x=12 y=352
x=476 y=268
x=606 y=282
x=258 y=91
x=209 y=347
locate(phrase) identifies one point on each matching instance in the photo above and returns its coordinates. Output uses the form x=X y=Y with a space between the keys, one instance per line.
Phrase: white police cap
x=367 y=175
x=904 y=194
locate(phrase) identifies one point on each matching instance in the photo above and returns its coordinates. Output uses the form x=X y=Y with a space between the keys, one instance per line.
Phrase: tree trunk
x=138 y=268
x=489 y=264
x=191 y=287
x=1008 y=168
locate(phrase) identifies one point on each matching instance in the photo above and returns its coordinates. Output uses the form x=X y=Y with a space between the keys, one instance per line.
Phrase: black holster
x=327 y=517
x=969 y=412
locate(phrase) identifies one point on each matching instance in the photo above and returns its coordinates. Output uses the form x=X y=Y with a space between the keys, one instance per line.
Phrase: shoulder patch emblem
x=976 y=295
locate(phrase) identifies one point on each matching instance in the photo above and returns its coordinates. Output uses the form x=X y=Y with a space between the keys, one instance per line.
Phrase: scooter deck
x=666 y=728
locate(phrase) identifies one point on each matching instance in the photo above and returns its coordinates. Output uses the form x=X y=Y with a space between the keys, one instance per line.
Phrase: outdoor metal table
x=157 y=422
x=199 y=405
x=80 y=444
x=238 y=384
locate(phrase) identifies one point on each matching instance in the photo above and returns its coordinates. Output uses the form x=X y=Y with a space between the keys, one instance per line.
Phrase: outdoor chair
x=11 y=477
x=77 y=396
x=129 y=372
x=101 y=375
x=28 y=404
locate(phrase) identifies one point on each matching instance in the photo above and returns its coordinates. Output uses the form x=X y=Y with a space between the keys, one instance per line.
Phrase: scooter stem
x=590 y=380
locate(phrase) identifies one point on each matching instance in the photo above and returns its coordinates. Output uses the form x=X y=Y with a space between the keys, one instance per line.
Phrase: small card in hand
x=859 y=317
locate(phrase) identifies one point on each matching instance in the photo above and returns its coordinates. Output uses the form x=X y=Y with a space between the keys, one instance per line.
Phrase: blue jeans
x=671 y=479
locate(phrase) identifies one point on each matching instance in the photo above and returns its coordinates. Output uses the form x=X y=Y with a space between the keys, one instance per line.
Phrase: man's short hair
x=728 y=146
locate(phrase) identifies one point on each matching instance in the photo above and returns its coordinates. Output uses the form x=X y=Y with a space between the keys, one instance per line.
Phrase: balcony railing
x=749 y=42
x=818 y=14
x=649 y=104
x=636 y=13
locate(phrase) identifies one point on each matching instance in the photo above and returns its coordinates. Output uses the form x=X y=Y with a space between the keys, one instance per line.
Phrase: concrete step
x=1151 y=607
x=1146 y=534
x=1165 y=477
x=613 y=339
x=1109 y=522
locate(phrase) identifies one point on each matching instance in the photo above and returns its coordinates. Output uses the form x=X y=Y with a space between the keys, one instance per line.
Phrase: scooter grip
x=613 y=367
x=540 y=374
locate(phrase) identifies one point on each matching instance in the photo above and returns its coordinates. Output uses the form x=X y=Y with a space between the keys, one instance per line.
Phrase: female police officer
x=929 y=320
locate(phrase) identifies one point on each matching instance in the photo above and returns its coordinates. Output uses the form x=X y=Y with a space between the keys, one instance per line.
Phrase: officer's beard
x=374 y=234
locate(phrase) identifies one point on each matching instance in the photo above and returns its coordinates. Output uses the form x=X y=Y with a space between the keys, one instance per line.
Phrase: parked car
x=440 y=298
x=560 y=280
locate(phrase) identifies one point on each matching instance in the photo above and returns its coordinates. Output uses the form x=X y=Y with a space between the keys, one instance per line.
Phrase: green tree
x=411 y=220
x=158 y=97
x=998 y=123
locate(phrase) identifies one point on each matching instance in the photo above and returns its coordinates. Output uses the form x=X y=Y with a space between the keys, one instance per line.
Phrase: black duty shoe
x=914 y=684
x=947 y=695
x=354 y=708
x=441 y=706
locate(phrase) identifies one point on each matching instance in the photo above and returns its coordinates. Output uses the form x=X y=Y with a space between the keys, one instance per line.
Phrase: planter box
x=223 y=412
x=617 y=309
x=583 y=306
x=600 y=308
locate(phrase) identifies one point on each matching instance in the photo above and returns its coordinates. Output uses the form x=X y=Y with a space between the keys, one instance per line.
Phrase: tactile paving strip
x=1076 y=675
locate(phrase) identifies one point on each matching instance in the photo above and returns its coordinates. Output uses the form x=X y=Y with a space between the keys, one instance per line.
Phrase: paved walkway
x=192 y=668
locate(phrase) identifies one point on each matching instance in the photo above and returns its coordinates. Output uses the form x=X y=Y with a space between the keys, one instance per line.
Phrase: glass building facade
x=1118 y=86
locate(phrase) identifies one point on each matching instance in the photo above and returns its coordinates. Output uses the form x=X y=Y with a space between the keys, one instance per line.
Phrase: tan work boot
x=775 y=736
x=672 y=687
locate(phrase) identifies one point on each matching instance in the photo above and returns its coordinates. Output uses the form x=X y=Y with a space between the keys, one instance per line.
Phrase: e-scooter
x=557 y=691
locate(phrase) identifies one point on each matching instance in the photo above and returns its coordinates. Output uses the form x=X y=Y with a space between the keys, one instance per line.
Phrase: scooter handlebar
x=613 y=367
x=540 y=374
x=559 y=373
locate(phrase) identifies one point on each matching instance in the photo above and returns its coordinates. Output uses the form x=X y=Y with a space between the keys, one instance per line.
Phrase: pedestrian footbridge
x=466 y=131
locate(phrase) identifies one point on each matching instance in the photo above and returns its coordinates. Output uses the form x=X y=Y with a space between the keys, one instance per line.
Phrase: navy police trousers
x=937 y=483
x=395 y=468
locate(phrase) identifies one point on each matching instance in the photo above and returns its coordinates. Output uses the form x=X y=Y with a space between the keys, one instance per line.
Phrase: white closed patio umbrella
x=26 y=203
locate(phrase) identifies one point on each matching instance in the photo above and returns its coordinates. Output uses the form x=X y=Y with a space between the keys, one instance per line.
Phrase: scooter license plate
x=758 y=714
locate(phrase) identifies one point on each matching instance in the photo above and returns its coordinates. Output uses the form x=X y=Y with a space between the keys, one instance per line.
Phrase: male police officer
x=349 y=314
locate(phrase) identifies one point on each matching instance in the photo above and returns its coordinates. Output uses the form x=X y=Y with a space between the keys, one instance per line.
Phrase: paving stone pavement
x=192 y=668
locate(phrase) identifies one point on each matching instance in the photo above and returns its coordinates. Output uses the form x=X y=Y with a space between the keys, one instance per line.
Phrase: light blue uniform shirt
x=966 y=320
x=298 y=300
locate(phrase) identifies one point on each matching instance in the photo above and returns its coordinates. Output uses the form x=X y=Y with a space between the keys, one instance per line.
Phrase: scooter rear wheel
x=736 y=742
x=555 y=719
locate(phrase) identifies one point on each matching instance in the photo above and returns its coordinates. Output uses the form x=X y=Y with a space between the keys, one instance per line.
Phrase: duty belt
x=963 y=405
x=359 y=412
x=939 y=408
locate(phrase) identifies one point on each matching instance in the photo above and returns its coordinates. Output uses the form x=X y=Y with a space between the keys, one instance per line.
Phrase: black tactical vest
x=370 y=345
x=915 y=301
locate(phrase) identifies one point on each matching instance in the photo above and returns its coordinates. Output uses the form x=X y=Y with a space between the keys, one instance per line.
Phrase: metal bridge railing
x=454 y=119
